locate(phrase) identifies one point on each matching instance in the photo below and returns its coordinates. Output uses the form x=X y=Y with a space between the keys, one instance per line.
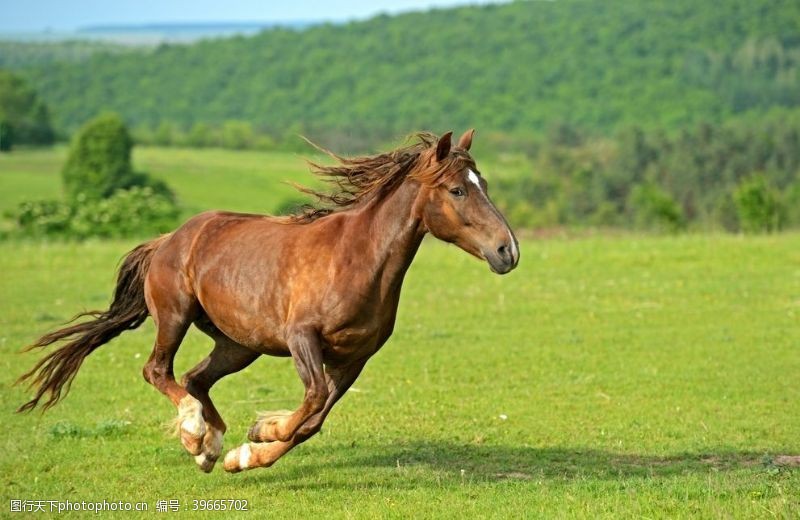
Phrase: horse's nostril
x=503 y=251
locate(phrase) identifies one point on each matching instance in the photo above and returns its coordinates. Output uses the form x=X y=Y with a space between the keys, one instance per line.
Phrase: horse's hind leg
x=173 y=312
x=158 y=371
x=226 y=358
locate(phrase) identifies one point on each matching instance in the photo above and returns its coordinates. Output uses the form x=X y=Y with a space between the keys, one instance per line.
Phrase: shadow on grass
x=418 y=463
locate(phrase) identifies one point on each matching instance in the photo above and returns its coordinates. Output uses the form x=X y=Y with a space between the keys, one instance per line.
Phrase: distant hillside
x=518 y=68
x=30 y=53
x=156 y=33
x=143 y=35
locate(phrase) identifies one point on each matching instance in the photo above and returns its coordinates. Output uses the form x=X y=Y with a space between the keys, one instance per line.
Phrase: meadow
x=608 y=376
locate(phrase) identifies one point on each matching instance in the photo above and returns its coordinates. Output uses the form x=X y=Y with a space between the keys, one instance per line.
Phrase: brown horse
x=321 y=286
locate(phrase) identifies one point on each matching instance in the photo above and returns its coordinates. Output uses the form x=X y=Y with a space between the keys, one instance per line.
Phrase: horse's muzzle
x=504 y=258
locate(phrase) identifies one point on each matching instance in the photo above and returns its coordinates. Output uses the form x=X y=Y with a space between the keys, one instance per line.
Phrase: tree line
x=741 y=175
x=516 y=68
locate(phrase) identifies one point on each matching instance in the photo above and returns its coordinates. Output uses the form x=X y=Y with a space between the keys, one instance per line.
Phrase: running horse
x=321 y=285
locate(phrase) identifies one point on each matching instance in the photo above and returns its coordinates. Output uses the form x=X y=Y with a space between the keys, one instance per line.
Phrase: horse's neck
x=395 y=233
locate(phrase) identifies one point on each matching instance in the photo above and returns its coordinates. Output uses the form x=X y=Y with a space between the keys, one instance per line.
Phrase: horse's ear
x=443 y=146
x=466 y=140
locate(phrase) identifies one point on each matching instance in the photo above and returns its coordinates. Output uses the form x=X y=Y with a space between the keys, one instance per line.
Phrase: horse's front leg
x=339 y=380
x=306 y=349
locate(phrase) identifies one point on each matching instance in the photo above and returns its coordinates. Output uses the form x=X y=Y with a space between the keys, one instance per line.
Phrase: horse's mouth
x=501 y=266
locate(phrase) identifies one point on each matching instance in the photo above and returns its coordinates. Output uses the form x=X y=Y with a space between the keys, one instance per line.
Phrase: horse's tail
x=54 y=373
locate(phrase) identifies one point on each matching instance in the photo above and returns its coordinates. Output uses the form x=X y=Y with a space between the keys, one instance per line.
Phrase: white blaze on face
x=473 y=178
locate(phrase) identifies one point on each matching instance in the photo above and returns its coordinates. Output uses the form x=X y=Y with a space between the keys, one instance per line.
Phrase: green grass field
x=646 y=377
x=249 y=181
x=202 y=179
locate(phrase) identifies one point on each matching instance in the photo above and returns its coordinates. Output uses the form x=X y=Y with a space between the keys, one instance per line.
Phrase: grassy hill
x=517 y=68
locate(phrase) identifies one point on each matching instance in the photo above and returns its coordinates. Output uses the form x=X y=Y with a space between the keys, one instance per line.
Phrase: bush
x=99 y=161
x=45 y=217
x=201 y=135
x=237 y=135
x=758 y=205
x=791 y=199
x=134 y=212
x=105 y=197
x=654 y=208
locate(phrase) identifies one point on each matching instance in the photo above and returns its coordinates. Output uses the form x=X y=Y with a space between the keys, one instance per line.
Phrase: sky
x=66 y=15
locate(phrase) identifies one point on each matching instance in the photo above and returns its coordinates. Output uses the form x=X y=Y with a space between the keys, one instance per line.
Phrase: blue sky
x=65 y=15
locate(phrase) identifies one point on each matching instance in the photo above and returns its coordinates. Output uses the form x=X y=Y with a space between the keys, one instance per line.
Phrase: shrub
x=134 y=212
x=99 y=161
x=654 y=208
x=758 y=205
x=791 y=199
x=44 y=217
x=201 y=135
x=237 y=135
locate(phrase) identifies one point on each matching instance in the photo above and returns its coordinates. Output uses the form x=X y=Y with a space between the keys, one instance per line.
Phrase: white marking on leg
x=473 y=178
x=190 y=413
x=244 y=456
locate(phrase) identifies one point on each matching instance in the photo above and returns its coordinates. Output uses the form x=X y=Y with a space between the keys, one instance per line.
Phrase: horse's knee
x=153 y=373
x=148 y=372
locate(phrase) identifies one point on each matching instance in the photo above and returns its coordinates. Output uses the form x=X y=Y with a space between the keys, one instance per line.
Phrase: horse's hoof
x=205 y=463
x=212 y=447
x=238 y=459
x=253 y=432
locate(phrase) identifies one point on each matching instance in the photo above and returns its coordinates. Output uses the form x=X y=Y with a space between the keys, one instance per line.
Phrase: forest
x=518 y=68
x=654 y=115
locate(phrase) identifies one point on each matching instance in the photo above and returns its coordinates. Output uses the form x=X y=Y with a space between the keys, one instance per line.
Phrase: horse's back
x=229 y=264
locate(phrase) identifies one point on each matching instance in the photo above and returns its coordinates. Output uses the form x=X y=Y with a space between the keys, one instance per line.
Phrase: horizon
x=52 y=16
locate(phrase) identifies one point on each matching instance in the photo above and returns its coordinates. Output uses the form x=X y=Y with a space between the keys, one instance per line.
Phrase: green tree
x=24 y=118
x=758 y=205
x=6 y=136
x=99 y=160
x=165 y=134
x=237 y=135
x=654 y=208
x=791 y=199
x=200 y=135
x=105 y=196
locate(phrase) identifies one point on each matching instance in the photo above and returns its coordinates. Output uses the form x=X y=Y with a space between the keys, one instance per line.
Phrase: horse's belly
x=256 y=330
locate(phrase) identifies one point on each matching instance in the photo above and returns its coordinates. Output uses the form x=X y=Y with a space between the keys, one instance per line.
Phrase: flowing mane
x=364 y=178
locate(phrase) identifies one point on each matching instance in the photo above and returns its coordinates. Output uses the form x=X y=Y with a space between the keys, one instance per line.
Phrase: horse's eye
x=457 y=192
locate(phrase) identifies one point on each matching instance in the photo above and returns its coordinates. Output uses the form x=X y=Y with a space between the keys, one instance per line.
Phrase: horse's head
x=456 y=207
